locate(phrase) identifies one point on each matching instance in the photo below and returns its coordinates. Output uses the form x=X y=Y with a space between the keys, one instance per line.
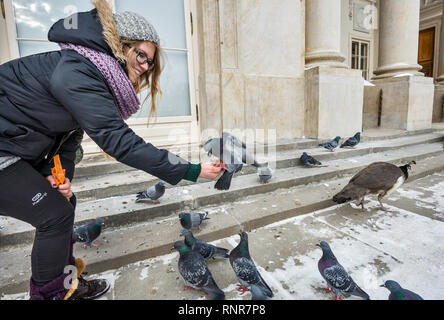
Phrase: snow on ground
x=395 y=245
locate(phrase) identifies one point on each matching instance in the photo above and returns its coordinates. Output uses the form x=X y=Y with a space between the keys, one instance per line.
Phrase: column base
x=396 y=70
x=407 y=103
x=333 y=102
x=324 y=58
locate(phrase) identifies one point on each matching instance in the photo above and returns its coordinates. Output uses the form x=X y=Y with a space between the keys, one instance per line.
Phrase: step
x=96 y=164
x=132 y=181
x=371 y=245
x=114 y=210
x=132 y=243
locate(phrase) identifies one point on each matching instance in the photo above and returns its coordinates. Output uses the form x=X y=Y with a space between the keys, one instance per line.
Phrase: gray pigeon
x=192 y=220
x=152 y=193
x=233 y=153
x=353 y=141
x=205 y=249
x=195 y=272
x=246 y=271
x=88 y=232
x=309 y=161
x=331 y=145
x=399 y=293
x=264 y=174
x=338 y=280
x=257 y=294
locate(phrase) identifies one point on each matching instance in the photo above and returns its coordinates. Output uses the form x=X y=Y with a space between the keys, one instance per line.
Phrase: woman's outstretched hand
x=211 y=171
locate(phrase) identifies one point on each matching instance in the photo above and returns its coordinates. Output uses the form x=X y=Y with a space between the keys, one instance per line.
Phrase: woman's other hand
x=64 y=189
x=211 y=171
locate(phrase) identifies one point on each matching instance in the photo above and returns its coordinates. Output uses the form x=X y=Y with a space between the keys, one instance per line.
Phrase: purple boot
x=62 y=288
x=53 y=290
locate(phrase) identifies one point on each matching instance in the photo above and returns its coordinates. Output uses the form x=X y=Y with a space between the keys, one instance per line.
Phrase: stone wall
x=438 y=104
x=370 y=114
x=252 y=65
x=406 y=102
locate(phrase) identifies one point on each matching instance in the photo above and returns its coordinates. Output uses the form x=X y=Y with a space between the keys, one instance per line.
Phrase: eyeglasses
x=142 y=58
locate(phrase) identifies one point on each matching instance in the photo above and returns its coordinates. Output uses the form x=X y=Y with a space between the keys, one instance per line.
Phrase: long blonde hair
x=151 y=78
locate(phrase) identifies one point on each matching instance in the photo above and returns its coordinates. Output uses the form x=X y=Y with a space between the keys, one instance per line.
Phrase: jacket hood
x=95 y=29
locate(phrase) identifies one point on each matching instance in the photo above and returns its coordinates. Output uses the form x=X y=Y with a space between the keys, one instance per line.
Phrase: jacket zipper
x=65 y=137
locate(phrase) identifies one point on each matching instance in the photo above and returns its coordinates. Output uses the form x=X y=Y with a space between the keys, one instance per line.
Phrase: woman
x=47 y=102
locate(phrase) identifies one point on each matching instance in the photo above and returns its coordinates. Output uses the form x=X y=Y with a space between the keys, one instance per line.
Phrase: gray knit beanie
x=132 y=26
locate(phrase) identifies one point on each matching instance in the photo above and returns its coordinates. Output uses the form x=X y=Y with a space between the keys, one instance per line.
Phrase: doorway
x=426 y=50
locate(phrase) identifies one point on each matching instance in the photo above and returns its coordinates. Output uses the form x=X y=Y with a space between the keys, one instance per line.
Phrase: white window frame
x=369 y=52
x=137 y=123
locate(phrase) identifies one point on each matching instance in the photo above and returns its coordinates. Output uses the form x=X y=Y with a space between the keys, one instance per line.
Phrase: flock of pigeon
x=379 y=178
x=194 y=269
x=196 y=274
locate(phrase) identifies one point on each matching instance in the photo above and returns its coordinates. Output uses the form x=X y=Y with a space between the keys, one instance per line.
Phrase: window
x=31 y=20
x=34 y=18
x=360 y=57
x=169 y=20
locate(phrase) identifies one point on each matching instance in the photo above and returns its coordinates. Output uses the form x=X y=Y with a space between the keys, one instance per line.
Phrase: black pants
x=27 y=196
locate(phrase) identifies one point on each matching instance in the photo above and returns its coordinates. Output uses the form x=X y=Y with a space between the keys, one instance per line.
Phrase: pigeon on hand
x=309 y=161
x=195 y=273
x=353 y=141
x=338 y=280
x=233 y=153
x=88 y=232
x=152 y=193
x=264 y=174
x=192 y=220
x=246 y=271
x=205 y=249
x=331 y=145
x=399 y=293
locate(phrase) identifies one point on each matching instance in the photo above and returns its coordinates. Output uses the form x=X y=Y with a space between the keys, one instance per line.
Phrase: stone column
x=407 y=96
x=333 y=92
x=323 y=34
x=438 y=107
x=398 y=38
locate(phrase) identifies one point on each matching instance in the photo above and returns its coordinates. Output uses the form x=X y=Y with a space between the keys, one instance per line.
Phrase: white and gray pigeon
x=265 y=174
x=153 y=193
x=399 y=293
x=338 y=280
x=246 y=271
x=88 y=232
x=332 y=144
x=192 y=220
x=195 y=273
x=233 y=153
x=207 y=250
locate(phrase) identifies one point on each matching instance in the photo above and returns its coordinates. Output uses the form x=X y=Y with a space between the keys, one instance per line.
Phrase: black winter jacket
x=48 y=100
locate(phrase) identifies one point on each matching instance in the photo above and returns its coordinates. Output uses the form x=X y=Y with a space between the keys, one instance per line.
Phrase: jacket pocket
x=26 y=143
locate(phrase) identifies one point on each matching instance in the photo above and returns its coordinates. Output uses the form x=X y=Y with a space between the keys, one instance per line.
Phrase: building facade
x=286 y=69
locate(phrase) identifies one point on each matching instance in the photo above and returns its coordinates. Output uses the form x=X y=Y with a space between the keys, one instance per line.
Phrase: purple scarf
x=123 y=91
